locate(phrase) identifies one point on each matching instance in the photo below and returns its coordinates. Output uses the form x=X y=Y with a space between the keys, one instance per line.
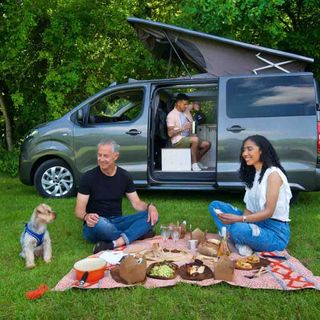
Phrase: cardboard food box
x=132 y=270
x=224 y=269
x=199 y=235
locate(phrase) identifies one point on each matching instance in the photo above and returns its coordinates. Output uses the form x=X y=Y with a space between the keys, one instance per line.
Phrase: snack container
x=192 y=244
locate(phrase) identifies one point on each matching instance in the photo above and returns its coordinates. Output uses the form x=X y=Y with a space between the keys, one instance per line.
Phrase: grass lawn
x=184 y=301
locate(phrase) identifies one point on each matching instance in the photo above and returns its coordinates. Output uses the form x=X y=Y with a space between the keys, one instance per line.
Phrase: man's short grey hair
x=112 y=143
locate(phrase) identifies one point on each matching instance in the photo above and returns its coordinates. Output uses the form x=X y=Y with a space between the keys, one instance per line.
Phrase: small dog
x=35 y=239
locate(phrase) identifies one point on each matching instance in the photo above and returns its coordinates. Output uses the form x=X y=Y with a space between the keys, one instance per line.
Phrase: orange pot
x=95 y=267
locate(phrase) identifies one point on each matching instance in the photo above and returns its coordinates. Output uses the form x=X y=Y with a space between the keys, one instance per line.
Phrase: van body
x=282 y=106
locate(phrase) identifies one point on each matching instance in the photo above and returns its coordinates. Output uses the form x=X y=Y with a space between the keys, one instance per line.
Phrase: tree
x=56 y=53
x=7 y=121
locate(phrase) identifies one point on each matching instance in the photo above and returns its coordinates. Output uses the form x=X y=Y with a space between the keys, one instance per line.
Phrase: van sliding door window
x=116 y=107
x=270 y=97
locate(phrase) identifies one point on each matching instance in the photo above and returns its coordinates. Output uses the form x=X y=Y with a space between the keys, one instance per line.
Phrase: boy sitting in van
x=179 y=124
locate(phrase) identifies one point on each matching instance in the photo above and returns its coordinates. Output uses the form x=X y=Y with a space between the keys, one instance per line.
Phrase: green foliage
x=253 y=21
x=9 y=161
x=56 y=53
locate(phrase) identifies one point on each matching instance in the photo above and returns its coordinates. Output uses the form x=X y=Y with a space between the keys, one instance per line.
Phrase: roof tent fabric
x=215 y=55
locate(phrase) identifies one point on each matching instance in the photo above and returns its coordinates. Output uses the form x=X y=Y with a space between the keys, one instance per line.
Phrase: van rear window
x=270 y=97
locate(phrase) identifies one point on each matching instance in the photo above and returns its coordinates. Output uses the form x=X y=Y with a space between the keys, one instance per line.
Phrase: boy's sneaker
x=244 y=250
x=103 y=245
x=202 y=166
x=195 y=167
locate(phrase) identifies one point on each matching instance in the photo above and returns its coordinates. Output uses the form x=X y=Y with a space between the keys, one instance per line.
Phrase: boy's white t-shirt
x=256 y=197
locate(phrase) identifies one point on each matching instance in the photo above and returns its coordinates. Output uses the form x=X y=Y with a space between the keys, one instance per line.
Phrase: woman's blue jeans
x=130 y=228
x=267 y=235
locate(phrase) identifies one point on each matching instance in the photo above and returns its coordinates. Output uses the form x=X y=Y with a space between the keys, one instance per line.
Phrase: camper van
x=242 y=89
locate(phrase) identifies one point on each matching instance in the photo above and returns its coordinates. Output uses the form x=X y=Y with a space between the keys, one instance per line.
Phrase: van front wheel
x=54 y=179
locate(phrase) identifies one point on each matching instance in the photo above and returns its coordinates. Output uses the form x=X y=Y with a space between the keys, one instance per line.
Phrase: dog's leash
x=37 y=293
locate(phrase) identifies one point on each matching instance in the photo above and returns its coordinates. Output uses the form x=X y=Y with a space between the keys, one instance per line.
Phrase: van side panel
x=280 y=107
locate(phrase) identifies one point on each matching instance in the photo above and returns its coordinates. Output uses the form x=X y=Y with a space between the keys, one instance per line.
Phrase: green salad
x=164 y=271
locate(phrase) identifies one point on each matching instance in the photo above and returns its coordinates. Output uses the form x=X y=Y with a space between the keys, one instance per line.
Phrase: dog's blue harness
x=38 y=236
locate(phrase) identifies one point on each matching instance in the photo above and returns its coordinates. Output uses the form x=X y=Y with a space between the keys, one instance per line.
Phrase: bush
x=9 y=161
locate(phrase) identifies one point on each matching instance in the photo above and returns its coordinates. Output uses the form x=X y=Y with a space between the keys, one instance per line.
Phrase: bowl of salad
x=164 y=270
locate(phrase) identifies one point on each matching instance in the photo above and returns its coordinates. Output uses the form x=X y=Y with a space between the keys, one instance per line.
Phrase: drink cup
x=165 y=232
x=175 y=233
x=193 y=127
x=192 y=244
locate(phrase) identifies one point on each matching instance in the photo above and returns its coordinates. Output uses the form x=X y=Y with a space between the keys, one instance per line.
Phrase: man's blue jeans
x=130 y=227
x=267 y=235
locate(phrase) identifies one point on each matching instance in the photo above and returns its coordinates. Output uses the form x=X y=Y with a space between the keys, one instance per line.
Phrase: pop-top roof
x=215 y=55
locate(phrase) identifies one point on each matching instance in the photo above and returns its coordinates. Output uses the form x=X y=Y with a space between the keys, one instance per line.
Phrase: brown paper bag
x=224 y=269
x=131 y=271
x=199 y=235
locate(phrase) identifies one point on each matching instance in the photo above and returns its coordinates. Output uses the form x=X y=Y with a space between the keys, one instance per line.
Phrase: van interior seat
x=91 y=119
x=162 y=139
x=161 y=121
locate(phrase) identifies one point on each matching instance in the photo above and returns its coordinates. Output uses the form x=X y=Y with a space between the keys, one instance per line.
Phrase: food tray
x=207 y=274
x=262 y=263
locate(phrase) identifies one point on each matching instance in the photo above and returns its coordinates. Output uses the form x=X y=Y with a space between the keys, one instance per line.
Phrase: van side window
x=119 y=106
x=270 y=97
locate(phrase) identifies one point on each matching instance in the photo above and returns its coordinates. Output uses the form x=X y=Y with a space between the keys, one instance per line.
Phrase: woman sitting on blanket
x=264 y=224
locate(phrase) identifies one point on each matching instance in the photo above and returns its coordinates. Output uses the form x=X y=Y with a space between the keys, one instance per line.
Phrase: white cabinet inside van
x=208 y=132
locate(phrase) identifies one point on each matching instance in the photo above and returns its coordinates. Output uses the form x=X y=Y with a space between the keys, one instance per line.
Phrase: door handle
x=235 y=128
x=133 y=132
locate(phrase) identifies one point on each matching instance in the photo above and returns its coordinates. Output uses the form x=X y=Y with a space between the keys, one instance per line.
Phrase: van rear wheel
x=54 y=179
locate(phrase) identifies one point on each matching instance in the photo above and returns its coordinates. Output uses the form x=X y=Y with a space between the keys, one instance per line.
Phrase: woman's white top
x=256 y=197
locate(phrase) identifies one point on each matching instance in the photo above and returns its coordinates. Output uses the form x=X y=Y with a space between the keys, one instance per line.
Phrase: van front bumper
x=25 y=167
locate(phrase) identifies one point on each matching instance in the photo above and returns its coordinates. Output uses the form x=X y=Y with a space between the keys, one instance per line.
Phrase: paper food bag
x=132 y=270
x=199 y=235
x=224 y=269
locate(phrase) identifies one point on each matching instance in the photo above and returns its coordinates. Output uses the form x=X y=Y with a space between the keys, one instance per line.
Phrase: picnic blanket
x=287 y=274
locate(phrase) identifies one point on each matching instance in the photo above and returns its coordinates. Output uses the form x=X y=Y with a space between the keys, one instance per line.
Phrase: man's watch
x=244 y=218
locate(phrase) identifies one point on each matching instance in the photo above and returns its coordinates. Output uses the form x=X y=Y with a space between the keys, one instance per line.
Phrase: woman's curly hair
x=268 y=158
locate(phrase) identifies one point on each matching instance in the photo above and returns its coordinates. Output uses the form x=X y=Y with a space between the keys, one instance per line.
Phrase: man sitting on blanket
x=99 y=203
